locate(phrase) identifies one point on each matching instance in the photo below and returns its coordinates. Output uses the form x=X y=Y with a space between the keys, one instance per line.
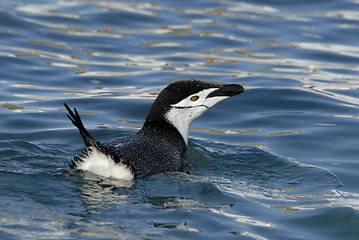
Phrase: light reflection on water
x=306 y=72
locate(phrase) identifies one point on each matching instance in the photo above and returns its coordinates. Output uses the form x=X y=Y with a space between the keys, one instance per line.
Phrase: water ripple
x=278 y=161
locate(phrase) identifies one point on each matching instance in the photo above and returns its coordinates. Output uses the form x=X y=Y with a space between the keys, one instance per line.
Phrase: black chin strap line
x=191 y=106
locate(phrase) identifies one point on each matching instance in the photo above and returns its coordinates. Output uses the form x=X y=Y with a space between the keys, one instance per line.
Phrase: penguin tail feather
x=75 y=118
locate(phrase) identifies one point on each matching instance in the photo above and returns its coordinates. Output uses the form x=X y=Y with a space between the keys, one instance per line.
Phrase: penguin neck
x=162 y=128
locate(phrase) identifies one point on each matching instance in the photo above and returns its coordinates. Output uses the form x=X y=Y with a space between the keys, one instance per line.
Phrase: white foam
x=101 y=164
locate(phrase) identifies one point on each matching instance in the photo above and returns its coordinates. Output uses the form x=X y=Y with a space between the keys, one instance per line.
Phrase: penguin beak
x=227 y=90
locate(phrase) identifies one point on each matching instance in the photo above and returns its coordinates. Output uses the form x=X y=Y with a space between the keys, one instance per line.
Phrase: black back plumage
x=149 y=151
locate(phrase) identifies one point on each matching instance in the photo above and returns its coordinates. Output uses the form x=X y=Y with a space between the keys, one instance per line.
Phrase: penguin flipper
x=86 y=136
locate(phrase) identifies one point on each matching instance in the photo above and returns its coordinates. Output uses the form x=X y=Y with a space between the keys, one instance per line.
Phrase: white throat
x=181 y=118
x=182 y=114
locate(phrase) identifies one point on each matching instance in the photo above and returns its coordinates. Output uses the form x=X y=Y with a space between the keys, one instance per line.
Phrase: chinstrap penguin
x=162 y=141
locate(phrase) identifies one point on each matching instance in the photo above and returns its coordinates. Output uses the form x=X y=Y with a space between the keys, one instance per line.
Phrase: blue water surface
x=276 y=162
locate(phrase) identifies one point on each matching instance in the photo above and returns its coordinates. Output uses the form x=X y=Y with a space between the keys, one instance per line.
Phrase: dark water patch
x=257 y=167
x=232 y=185
x=320 y=222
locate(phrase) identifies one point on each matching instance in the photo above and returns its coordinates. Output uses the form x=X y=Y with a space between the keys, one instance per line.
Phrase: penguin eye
x=194 y=98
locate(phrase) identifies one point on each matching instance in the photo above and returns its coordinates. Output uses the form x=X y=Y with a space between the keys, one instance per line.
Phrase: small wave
x=262 y=176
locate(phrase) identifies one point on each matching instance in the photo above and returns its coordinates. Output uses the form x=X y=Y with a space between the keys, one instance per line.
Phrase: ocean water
x=279 y=161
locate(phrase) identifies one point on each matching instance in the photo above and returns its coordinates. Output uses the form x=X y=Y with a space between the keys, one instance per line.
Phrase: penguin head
x=180 y=103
